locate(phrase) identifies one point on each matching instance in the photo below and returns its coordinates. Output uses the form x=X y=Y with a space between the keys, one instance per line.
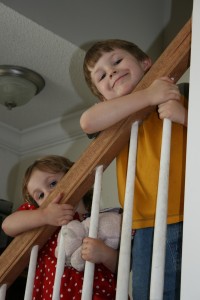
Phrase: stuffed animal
x=74 y=232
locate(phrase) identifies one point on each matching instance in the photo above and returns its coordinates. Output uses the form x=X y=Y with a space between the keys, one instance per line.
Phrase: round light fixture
x=18 y=85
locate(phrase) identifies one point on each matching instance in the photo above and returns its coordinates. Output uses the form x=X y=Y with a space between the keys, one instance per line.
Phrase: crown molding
x=45 y=135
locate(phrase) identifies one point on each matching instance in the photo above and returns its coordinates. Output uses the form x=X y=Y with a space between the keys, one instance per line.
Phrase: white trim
x=190 y=287
x=55 y=132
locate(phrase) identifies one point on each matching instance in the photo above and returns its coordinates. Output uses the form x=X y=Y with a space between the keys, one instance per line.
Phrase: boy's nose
x=112 y=73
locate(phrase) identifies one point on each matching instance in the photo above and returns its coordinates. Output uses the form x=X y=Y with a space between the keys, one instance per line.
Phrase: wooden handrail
x=173 y=62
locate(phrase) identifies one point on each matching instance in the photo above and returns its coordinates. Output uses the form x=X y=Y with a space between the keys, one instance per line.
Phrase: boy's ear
x=146 y=63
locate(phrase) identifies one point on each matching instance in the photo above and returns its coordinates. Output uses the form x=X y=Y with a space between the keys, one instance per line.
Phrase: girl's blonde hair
x=51 y=164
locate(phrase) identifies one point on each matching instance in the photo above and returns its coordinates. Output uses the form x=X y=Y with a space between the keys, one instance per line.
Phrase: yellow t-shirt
x=147 y=172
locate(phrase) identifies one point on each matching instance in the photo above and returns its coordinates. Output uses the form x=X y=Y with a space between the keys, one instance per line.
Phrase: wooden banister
x=173 y=62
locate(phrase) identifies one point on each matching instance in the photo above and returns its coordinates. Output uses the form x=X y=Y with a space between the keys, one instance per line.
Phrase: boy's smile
x=117 y=73
x=120 y=79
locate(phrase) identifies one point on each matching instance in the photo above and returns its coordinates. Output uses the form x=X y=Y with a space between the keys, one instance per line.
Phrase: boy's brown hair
x=104 y=46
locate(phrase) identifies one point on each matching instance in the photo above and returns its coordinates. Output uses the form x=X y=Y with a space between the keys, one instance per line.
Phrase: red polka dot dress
x=72 y=280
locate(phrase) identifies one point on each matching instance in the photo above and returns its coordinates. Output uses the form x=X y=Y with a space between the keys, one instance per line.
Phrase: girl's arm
x=22 y=221
x=96 y=251
x=108 y=113
x=54 y=214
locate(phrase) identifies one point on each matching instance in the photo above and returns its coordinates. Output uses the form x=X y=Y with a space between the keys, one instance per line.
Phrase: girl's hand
x=93 y=250
x=58 y=214
x=174 y=111
x=96 y=251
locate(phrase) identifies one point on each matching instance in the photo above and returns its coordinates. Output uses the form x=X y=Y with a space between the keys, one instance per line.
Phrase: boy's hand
x=174 y=111
x=58 y=214
x=162 y=90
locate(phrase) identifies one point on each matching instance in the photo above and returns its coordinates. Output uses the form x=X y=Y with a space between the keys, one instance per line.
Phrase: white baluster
x=159 y=244
x=31 y=273
x=3 y=289
x=59 y=268
x=93 y=231
x=125 y=244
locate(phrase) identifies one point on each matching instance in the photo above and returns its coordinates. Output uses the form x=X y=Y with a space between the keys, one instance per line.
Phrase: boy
x=112 y=70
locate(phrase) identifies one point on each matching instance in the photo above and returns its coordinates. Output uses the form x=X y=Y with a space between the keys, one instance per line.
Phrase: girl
x=40 y=179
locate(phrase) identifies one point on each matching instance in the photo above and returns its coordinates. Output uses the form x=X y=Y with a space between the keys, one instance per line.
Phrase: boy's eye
x=102 y=77
x=53 y=184
x=117 y=61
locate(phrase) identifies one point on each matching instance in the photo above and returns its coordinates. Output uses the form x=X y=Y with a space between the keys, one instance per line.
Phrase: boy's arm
x=108 y=113
x=176 y=111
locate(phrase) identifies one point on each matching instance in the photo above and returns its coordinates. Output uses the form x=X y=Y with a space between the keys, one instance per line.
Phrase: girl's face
x=117 y=73
x=41 y=184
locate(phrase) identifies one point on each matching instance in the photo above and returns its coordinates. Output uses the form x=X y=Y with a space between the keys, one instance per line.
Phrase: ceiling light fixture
x=18 y=85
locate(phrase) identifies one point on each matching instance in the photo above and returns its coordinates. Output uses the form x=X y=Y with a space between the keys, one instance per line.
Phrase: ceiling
x=50 y=37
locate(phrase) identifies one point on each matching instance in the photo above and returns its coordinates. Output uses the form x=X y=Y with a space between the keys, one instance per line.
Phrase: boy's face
x=41 y=184
x=117 y=73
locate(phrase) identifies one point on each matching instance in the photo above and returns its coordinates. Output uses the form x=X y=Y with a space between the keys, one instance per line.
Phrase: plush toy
x=74 y=232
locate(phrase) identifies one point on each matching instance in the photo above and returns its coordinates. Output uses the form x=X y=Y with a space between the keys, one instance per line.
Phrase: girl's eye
x=117 y=61
x=53 y=184
x=41 y=196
